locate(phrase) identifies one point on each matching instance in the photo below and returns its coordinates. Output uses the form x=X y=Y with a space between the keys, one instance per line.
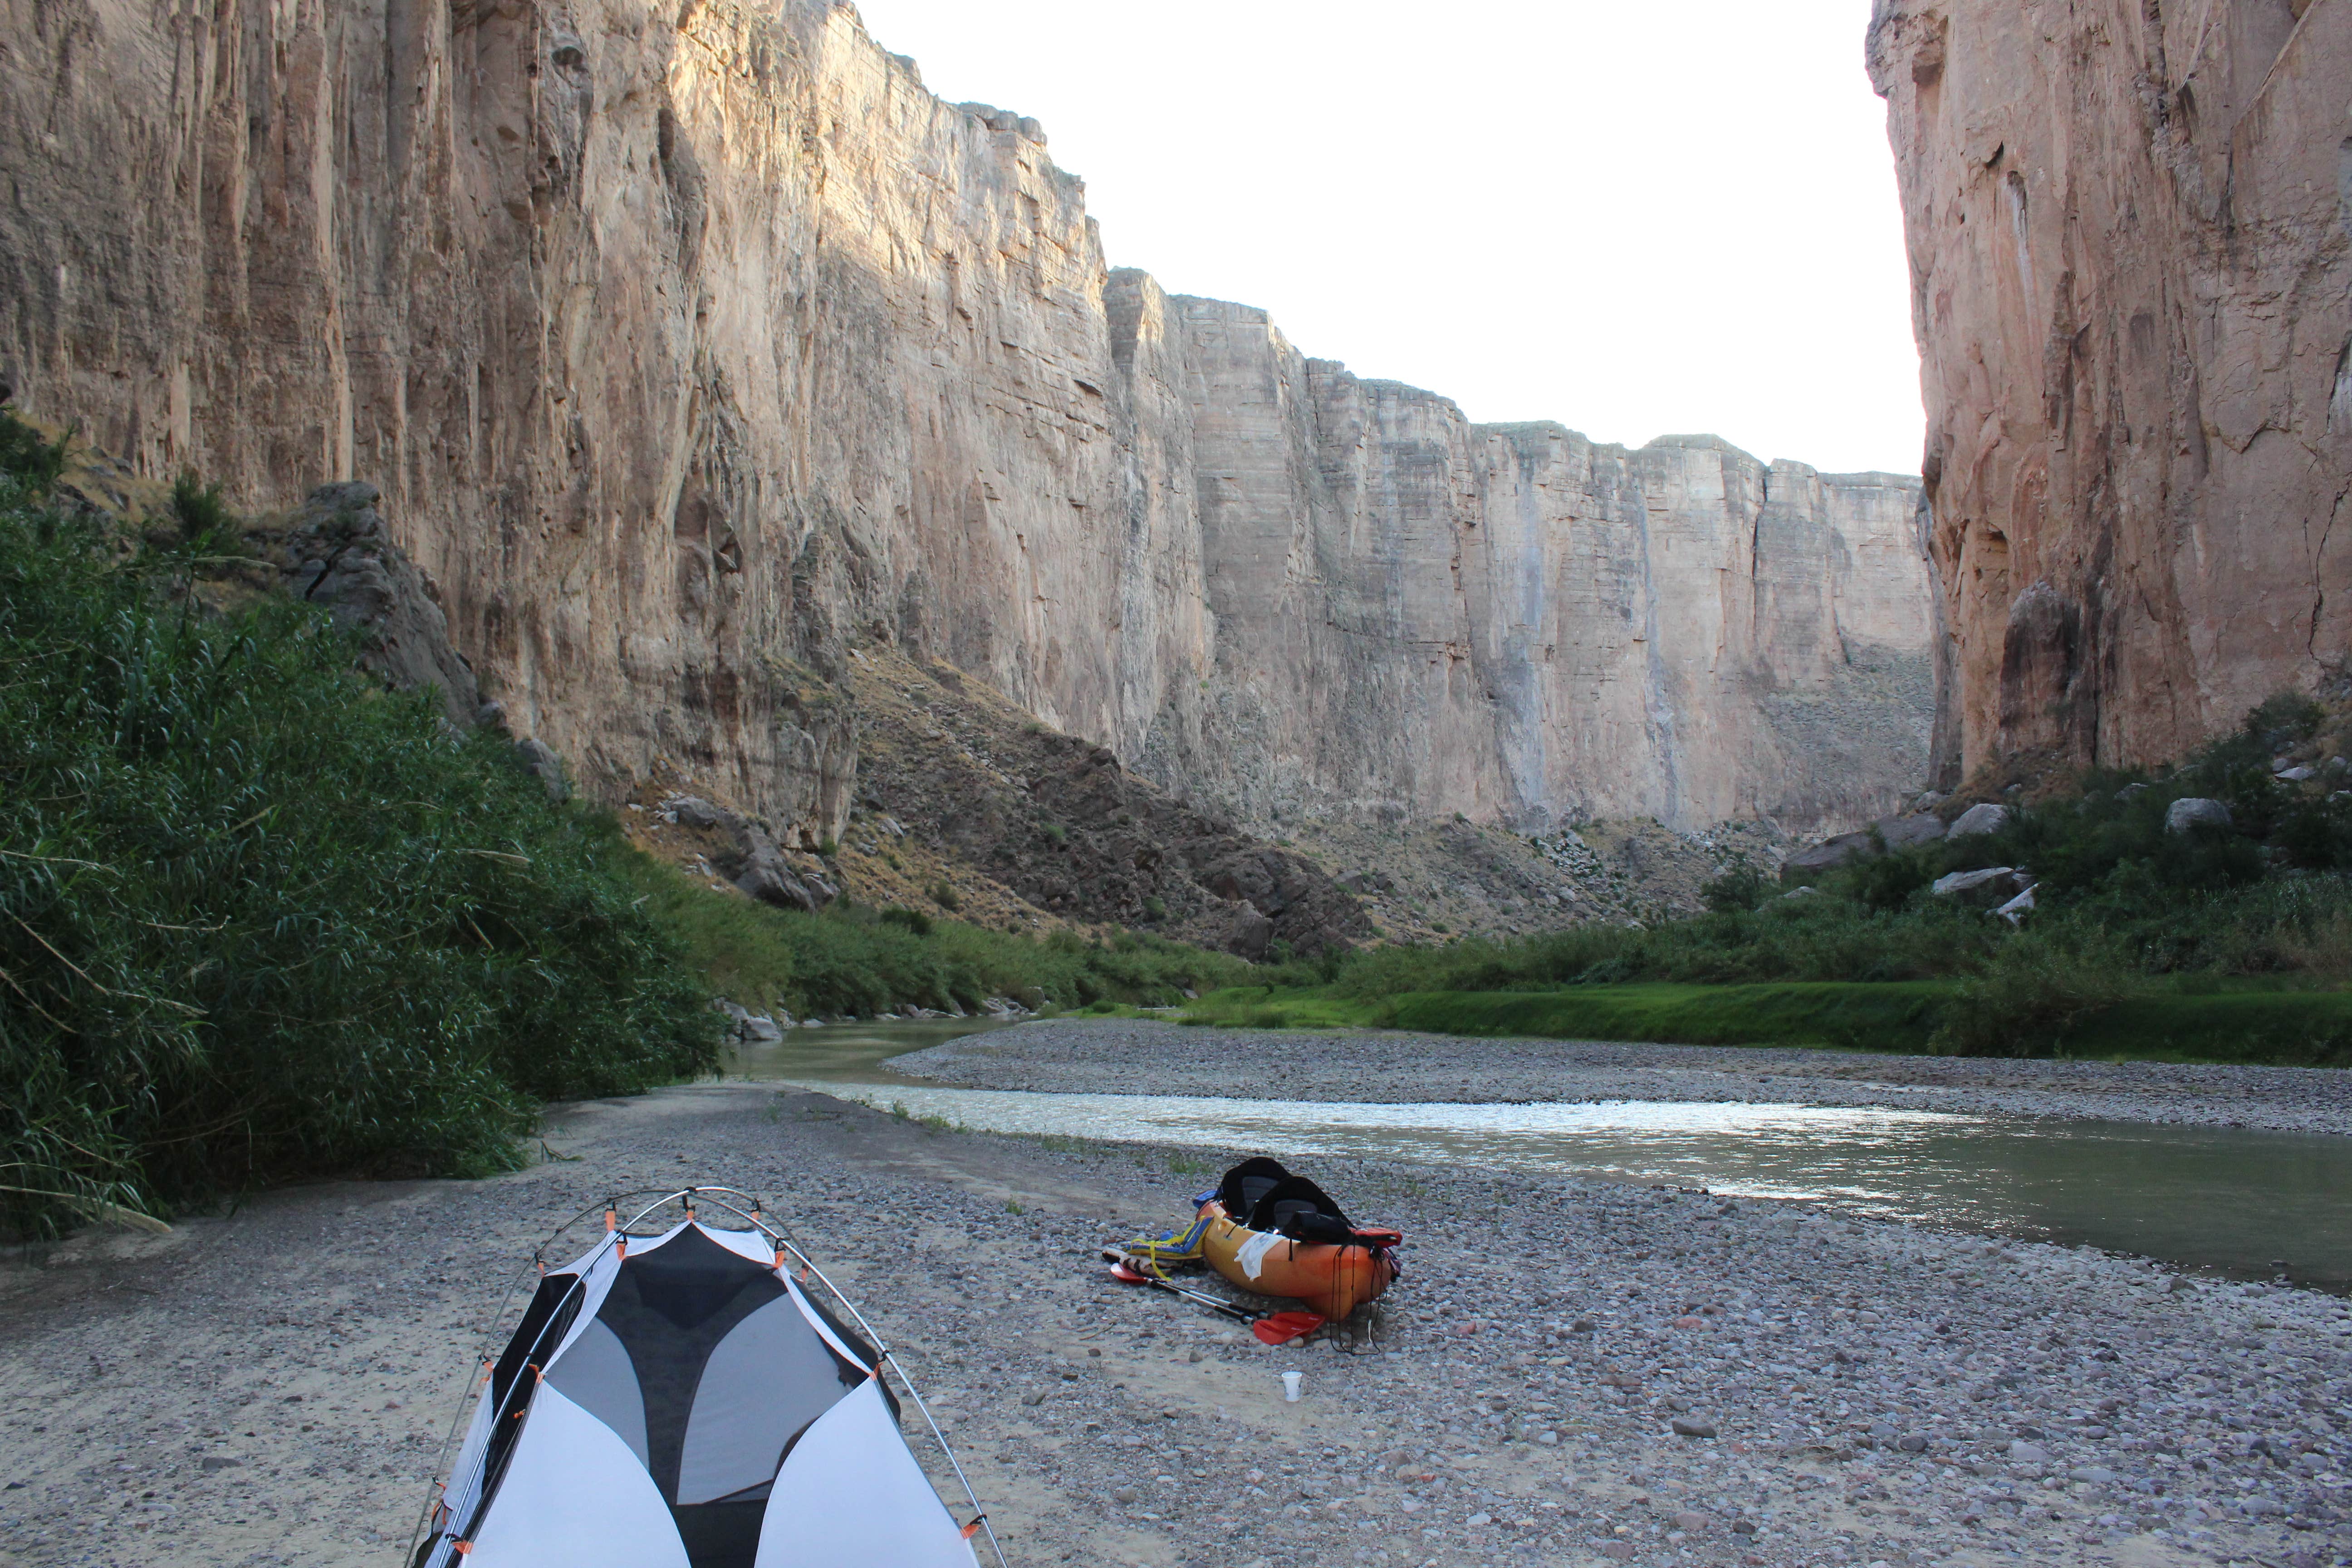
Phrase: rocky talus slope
x=691 y=346
x=2131 y=256
x=955 y=775
x=969 y=808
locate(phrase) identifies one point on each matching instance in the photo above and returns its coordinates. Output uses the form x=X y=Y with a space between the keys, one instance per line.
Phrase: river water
x=2255 y=1204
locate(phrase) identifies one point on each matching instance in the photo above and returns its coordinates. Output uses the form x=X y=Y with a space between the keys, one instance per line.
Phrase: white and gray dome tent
x=678 y=1399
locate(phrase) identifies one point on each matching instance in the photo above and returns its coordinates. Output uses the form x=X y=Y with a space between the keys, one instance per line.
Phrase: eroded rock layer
x=692 y=346
x=2131 y=252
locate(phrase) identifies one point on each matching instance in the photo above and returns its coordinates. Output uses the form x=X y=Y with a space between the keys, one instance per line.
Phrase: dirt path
x=271 y=1388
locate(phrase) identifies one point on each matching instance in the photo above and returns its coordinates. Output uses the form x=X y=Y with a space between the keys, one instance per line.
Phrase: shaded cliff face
x=2132 y=276
x=692 y=346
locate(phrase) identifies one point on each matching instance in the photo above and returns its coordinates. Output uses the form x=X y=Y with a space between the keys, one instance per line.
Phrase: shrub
x=2031 y=994
x=1737 y=889
x=206 y=525
x=261 y=918
x=26 y=458
x=945 y=897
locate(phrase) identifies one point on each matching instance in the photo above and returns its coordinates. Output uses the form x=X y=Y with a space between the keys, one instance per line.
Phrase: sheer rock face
x=690 y=345
x=2131 y=250
x=1416 y=614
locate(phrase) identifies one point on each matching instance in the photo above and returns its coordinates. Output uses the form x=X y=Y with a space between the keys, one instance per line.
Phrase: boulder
x=1977 y=819
x=1901 y=832
x=694 y=811
x=337 y=552
x=2017 y=908
x=1827 y=855
x=540 y=760
x=1960 y=883
x=1248 y=934
x=1904 y=832
x=761 y=871
x=2195 y=811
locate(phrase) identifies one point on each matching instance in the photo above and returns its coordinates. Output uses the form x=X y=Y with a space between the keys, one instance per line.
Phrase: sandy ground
x=271 y=1387
x=1129 y=1056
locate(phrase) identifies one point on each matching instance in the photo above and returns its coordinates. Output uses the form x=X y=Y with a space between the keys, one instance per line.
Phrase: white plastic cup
x=1290 y=1387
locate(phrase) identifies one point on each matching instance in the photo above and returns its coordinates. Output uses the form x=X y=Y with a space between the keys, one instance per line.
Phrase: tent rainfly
x=680 y=1401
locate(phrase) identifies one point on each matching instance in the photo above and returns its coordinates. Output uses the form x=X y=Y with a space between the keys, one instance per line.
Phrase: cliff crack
x=2318 y=570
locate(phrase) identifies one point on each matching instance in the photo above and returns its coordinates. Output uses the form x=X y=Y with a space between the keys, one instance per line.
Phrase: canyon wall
x=2130 y=228
x=690 y=347
x=1416 y=614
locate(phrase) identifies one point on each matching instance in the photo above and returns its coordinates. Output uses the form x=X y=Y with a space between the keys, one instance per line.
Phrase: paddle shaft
x=1137 y=1276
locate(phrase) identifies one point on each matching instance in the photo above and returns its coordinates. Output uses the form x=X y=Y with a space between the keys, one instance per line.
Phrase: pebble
x=1827 y=1342
x=1146 y=1056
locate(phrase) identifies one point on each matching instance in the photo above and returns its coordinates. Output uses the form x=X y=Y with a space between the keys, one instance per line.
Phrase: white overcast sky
x=1636 y=219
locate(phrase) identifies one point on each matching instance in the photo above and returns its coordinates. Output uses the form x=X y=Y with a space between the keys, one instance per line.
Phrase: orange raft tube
x=1331 y=1277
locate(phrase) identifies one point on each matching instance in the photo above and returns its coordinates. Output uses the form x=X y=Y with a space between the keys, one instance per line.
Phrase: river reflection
x=2219 y=1199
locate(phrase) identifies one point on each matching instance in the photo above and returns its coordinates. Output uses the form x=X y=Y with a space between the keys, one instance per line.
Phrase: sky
x=1634 y=219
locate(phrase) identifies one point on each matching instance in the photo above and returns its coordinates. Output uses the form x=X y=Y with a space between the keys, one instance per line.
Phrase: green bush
x=261 y=918
x=1737 y=889
x=2031 y=997
x=206 y=525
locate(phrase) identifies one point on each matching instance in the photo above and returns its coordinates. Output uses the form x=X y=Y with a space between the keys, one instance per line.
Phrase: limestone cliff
x=691 y=346
x=1417 y=615
x=2131 y=253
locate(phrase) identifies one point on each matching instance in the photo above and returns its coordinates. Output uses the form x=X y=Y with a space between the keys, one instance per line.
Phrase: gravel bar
x=1123 y=1056
x=1569 y=1373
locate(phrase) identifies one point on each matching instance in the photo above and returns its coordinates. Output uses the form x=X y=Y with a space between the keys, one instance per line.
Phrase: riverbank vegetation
x=2222 y=942
x=856 y=961
x=261 y=919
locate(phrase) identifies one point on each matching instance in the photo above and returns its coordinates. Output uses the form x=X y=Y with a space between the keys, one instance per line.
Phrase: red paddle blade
x=1126 y=1273
x=1281 y=1327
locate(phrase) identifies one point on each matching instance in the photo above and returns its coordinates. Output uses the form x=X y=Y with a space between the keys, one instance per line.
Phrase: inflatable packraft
x=1269 y=1231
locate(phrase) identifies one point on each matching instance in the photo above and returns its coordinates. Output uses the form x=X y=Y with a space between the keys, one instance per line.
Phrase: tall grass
x=261 y=919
